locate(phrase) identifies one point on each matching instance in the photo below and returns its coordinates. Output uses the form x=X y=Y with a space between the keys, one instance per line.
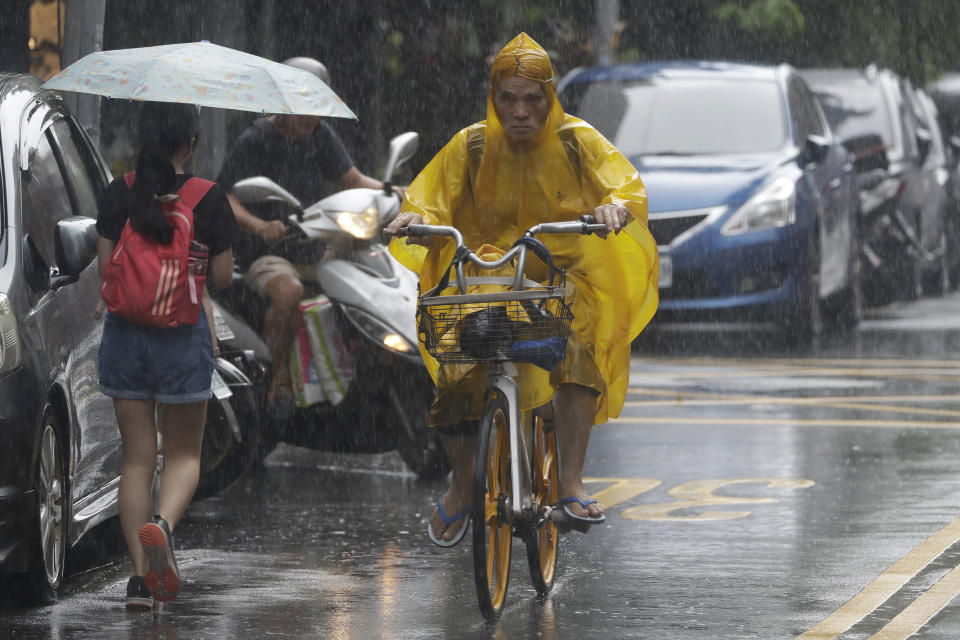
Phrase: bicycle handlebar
x=586 y=225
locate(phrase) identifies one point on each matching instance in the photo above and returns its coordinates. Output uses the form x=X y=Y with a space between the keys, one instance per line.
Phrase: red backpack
x=159 y=285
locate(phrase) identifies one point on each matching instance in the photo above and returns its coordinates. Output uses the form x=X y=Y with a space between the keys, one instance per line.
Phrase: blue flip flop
x=583 y=503
x=448 y=520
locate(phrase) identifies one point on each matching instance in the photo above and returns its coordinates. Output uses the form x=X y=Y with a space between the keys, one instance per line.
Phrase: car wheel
x=953 y=244
x=49 y=545
x=938 y=281
x=418 y=444
x=852 y=303
x=224 y=459
x=910 y=277
x=806 y=323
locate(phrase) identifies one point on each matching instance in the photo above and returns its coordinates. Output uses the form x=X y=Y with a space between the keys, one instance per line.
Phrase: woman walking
x=160 y=377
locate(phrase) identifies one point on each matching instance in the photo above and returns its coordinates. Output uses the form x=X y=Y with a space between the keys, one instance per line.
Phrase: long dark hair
x=164 y=127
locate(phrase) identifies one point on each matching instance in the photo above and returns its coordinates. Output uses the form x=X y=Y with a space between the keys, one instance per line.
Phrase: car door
x=64 y=178
x=817 y=179
x=935 y=173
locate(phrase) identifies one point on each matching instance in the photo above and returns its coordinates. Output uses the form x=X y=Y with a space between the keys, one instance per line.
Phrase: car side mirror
x=75 y=244
x=402 y=148
x=815 y=150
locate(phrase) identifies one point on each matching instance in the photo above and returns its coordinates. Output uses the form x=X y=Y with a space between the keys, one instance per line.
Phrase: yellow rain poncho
x=492 y=190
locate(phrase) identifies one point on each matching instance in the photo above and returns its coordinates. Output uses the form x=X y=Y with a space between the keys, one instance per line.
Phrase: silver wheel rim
x=50 y=490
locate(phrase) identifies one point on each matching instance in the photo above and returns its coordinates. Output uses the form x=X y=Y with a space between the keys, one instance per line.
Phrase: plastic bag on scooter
x=321 y=365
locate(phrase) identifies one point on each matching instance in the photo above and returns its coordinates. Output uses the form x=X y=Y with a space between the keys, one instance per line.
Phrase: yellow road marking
x=621 y=489
x=682 y=395
x=885 y=585
x=781 y=422
x=909 y=621
x=823 y=402
x=801 y=362
x=699 y=493
x=947 y=375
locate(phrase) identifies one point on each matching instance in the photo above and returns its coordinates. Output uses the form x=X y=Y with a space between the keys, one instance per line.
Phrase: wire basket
x=477 y=328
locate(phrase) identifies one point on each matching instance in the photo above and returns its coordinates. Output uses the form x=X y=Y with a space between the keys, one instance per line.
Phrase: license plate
x=220 y=389
x=665 y=281
x=224 y=332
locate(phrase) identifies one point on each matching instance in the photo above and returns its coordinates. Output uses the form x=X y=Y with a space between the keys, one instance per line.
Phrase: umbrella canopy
x=204 y=74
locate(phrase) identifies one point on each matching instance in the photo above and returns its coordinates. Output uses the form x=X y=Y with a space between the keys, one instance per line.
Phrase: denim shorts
x=171 y=366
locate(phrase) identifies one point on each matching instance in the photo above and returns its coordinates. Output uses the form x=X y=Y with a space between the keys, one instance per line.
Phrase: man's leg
x=460 y=450
x=575 y=409
x=283 y=293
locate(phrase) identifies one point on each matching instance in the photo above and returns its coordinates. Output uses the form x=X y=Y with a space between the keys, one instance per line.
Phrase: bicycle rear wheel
x=543 y=544
x=492 y=536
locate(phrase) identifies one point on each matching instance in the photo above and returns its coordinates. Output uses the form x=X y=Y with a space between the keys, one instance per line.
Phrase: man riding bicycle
x=528 y=163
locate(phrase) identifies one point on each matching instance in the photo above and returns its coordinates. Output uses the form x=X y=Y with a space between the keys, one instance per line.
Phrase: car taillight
x=9 y=338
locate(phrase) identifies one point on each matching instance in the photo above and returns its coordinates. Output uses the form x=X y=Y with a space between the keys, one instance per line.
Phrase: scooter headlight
x=378 y=331
x=360 y=224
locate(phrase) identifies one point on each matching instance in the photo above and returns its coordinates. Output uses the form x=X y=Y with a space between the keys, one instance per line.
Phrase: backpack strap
x=194 y=190
x=476 y=138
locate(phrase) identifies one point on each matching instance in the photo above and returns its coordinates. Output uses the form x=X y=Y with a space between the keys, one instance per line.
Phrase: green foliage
x=767 y=18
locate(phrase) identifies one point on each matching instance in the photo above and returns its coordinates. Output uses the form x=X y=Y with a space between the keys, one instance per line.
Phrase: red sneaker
x=163 y=577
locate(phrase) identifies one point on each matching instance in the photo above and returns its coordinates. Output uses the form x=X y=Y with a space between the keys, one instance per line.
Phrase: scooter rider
x=305 y=156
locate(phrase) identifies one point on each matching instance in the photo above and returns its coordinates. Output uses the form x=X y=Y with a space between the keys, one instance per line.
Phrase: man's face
x=300 y=126
x=521 y=107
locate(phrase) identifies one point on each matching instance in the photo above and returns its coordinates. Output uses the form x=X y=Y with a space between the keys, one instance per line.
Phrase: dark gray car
x=59 y=445
x=906 y=238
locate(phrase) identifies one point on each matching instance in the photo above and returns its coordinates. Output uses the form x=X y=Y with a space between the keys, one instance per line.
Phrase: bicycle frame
x=502 y=375
x=501 y=378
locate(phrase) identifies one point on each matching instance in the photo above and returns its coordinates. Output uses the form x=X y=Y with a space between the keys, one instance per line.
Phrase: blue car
x=753 y=201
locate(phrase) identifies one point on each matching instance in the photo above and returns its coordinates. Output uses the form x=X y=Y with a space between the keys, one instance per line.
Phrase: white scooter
x=387 y=403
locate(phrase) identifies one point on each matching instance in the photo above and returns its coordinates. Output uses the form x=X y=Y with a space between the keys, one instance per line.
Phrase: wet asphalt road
x=751 y=491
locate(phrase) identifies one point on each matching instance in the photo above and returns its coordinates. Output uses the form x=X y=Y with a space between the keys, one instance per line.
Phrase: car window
x=79 y=167
x=803 y=112
x=928 y=117
x=45 y=198
x=682 y=117
x=855 y=107
x=907 y=118
x=818 y=125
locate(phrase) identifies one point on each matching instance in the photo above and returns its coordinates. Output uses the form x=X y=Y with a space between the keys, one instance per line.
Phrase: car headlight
x=772 y=207
x=378 y=331
x=360 y=224
x=9 y=338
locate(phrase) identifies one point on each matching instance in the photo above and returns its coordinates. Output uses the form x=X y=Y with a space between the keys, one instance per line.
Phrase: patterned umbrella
x=204 y=74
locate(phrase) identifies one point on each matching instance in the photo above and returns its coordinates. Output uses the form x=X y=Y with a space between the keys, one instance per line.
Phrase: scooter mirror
x=402 y=148
x=261 y=189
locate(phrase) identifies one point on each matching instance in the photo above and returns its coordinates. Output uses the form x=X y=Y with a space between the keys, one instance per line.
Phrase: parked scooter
x=387 y=404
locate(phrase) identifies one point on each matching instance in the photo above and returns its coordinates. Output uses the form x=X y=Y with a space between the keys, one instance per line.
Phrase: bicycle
x=516 y=468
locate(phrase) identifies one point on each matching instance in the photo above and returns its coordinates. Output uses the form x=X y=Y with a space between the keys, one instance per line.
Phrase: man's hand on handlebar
x=404 y=220
x=612 y=215
x=272 y=231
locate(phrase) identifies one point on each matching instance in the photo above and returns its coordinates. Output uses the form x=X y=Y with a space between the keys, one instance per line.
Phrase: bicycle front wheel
x=492 y=534
x=543 y=544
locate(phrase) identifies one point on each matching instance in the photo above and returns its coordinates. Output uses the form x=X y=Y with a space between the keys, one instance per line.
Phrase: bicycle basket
x=530 y=325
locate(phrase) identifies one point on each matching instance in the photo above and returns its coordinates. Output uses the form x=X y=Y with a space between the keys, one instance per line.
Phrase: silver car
x=59 y=445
